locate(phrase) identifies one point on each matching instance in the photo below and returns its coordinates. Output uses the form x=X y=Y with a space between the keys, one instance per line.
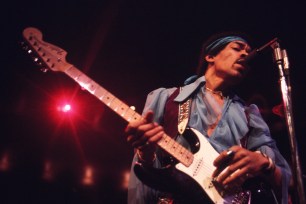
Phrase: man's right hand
x=144 y=135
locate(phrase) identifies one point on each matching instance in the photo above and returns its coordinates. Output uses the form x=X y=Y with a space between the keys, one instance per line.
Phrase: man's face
x=229 y=62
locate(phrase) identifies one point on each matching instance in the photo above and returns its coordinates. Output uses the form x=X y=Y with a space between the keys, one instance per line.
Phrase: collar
x=187 y=90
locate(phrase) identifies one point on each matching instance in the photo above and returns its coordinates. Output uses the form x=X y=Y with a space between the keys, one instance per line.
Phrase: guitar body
x=173 y=181
x=194 y=184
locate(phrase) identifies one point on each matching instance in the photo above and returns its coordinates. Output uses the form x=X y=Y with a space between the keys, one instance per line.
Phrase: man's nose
x=244 y=53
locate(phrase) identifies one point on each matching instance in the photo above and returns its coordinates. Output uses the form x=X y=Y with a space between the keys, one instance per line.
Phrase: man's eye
x=236 y=48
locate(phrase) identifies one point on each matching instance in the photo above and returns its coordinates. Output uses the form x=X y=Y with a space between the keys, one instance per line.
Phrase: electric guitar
x=191 y=173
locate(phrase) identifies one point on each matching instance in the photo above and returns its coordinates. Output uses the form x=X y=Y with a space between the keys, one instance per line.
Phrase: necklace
x=219 y=93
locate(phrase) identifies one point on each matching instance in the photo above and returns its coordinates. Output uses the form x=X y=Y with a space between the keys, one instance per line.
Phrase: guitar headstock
x=48 y=55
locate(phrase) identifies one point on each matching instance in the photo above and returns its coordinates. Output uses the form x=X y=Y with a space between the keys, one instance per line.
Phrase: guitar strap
x=170 y=120
x=183 y=115
x=175 y=121
x=176 y=115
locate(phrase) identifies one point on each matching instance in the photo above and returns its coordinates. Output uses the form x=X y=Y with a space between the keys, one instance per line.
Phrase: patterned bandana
x=222 y=41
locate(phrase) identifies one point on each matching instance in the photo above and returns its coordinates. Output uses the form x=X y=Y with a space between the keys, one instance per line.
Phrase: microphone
x=257 y=51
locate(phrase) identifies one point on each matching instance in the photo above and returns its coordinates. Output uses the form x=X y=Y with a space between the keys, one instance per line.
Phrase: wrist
x=270 y=167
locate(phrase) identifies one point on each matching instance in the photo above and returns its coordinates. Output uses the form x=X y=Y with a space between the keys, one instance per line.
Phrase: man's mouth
x=241 y=62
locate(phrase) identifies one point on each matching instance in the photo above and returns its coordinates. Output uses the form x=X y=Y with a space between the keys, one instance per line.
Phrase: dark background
x=129 y=48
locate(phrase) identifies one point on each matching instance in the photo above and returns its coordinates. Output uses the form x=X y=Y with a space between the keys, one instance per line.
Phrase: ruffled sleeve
x=139 y=193
x=260 y=139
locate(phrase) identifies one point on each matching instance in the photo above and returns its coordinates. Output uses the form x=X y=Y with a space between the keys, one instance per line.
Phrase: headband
x=221 y=42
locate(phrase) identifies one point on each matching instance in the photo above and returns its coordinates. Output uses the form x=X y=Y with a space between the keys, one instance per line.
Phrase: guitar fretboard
x=167 y=143
x=103 y=95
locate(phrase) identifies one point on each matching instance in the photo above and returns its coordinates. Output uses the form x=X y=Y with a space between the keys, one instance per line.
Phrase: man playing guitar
x=236 y=131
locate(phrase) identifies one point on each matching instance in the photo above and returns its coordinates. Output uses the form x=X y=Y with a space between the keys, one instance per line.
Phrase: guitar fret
x=111 y=99
x=84 y=81
x=92 y=87
x=188 y=157
x=116 y=108
x=131 y=117
x=169 y=145
x=181 y=151
x=176 y=150
x=72 y=72
x=106 y=99
x=175 y=147
x=163 y=141
x=115 y=104
x=100 y=93
x=128 y=114
x=121 y=109
x=124 y=111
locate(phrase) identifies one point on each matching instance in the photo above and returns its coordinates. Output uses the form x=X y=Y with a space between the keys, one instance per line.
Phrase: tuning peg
x=24 y=45
x=36 y=59
x=44 y=69
x=40 y=64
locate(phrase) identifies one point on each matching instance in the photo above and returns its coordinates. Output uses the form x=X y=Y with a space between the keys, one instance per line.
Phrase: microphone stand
x=281 y=60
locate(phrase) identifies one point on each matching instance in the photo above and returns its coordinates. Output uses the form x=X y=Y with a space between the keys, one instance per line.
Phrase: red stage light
x=65 y=108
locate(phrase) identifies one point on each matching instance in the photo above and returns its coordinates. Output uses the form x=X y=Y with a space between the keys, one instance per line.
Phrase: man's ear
x=209 y=58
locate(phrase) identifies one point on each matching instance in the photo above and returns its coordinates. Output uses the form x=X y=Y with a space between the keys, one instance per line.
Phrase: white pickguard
x=202 y=168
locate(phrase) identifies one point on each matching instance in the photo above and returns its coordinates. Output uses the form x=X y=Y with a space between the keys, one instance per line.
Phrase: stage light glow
x=65 y=108
x=4 y=162
x=125 y=179
x=48 y=173
x=88 y=178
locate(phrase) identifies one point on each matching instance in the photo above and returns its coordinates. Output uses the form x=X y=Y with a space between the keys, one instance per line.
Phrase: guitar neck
x=103 y=95
x=166 y=143
x=53 y=57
